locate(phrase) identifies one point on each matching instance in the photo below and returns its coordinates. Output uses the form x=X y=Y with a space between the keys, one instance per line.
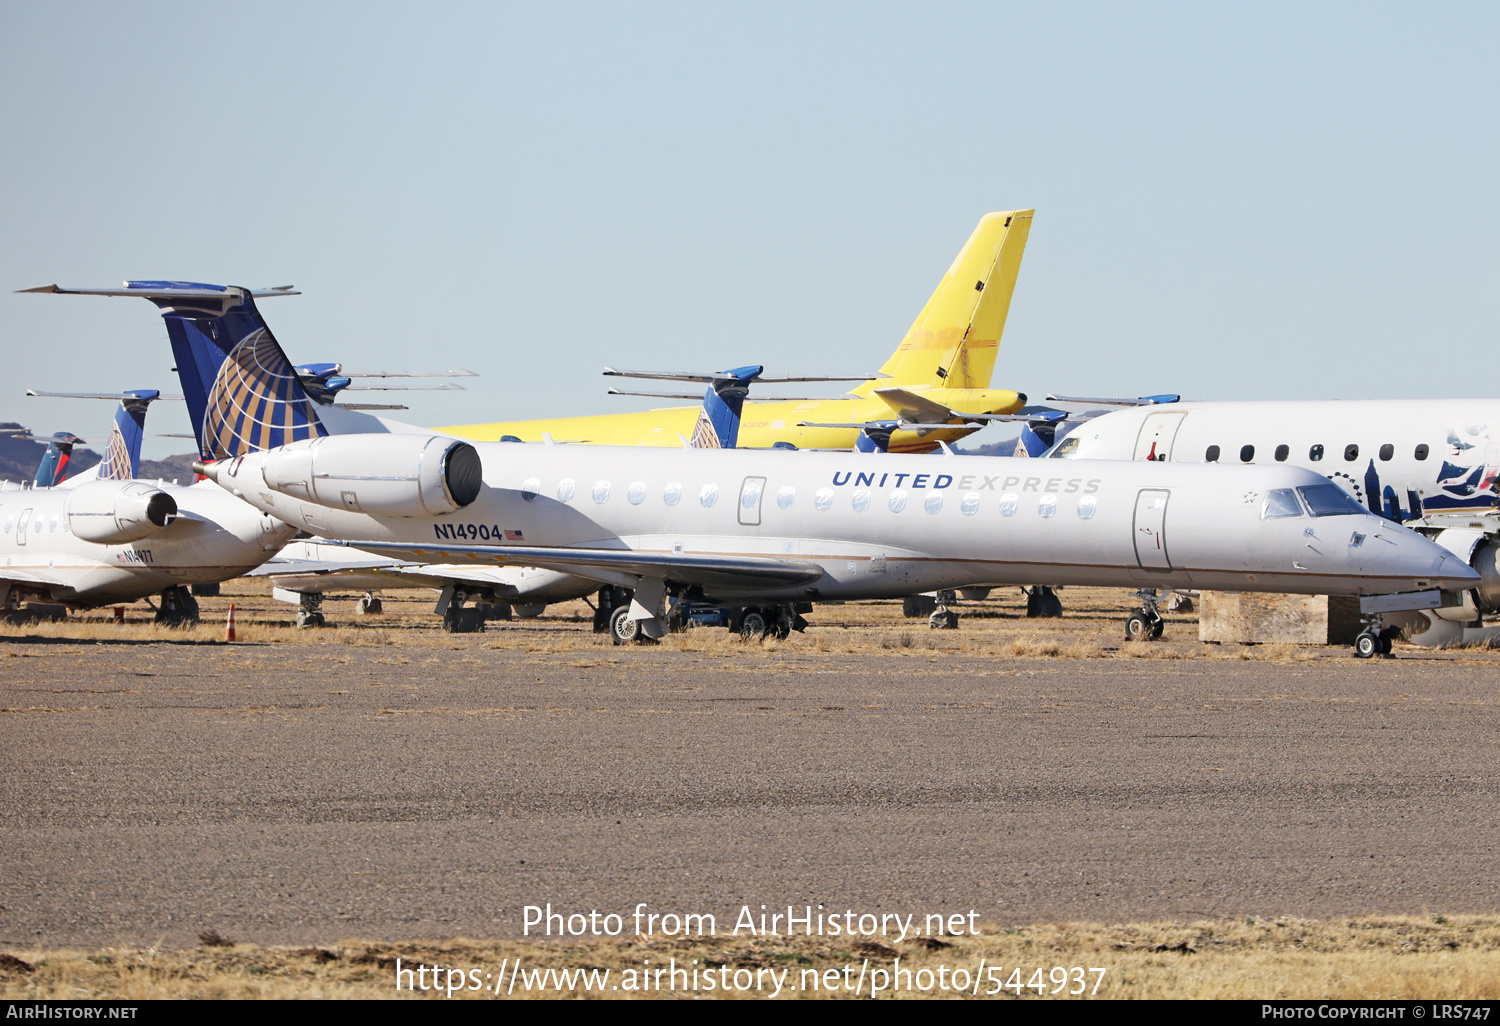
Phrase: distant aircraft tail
x=53 y=469
x=241 y=391
x=718 y=424
x=953 y=341
x=122 y=456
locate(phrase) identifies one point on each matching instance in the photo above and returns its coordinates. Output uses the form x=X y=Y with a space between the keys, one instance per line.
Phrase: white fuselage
x=1401 y=458
x=884 y=525
x=214 y=537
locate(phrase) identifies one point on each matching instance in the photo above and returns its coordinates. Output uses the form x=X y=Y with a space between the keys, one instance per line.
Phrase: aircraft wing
x=735 y=572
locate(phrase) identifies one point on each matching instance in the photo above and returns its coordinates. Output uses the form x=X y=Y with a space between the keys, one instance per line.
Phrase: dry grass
x=1397 y=958
x=990 y=631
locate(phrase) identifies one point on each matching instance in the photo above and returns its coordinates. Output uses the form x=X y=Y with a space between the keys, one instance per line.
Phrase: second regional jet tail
x=953 y=341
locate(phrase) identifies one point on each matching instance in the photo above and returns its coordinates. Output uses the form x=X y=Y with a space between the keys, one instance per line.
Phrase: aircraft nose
x=1424 y=559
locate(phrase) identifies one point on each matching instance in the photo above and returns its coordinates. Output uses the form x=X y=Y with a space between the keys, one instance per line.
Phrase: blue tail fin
x=718 y=425
x=241 y=390
x=242 y=393
x=122 y=457
x=53 y=470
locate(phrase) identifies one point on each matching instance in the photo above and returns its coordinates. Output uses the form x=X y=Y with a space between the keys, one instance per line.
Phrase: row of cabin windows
x=786 y=497
x=1314 y=454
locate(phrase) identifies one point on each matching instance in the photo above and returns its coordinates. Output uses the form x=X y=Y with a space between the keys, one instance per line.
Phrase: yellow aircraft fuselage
x=947 y=356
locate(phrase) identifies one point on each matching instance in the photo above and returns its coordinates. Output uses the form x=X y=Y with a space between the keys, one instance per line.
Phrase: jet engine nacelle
x=1482 y=552
x=383 y=475
x=116 y=512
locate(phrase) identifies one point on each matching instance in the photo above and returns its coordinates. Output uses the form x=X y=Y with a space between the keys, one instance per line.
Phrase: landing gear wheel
x=1385 y=645
x=1157 y=628
x=368 y=605
x=622 y=629
x=753 y=625
x=1042 y=603
x=943 y=620
x=1137 y=628
x=1366 y=646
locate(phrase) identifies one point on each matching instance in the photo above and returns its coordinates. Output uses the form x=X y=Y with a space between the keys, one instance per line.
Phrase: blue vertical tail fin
x=241 y=391
x=53 y=469
x=718 y=424
x=122 y=456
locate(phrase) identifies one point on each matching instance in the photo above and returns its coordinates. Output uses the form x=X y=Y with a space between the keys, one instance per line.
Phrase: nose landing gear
x=1147 y=624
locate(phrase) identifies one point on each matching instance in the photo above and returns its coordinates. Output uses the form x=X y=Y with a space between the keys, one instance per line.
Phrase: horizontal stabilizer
x=118 y=397
x=1145 y=400
x=164 y=290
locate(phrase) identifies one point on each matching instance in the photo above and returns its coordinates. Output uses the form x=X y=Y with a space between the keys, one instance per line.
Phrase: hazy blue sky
x=1266 y=201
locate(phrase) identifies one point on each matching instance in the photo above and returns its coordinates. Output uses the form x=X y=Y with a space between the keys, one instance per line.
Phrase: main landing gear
x=178 y=608
x=1147 y=624
x=1042 y=602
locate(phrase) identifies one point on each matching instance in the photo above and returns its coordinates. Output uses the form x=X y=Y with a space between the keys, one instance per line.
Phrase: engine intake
x=116 y=512
x=395 y=475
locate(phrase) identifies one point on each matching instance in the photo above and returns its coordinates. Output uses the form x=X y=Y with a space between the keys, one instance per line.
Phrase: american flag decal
x=513 y=536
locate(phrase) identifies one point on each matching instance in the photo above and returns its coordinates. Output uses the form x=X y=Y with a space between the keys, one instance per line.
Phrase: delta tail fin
x=954 y=340
x=53 y=468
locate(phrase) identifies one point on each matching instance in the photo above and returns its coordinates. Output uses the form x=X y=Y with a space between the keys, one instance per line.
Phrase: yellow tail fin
x=953 y=341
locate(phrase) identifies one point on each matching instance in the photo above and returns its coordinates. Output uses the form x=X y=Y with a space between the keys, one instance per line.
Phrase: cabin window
x=861 y=501
x=10 y=522
x=786 y=497
x=1315 y=453
x=1421 y=451
x=1280 y=502
x=1282 y=452
x=823 y=500
x=565 y=490
x=1047 y=506
x=1351 y=453
x=897 y=502
x=708 y=495
x=1387 y=451
x=636 y=493
x=933 y=503
x=1086 y=507
x=601 y=492
x=1212 y=455
x=529 y=488
x=52 y=525
x=1008 y=503
x=1247 y=453
x=672 y=493
x=970 y=504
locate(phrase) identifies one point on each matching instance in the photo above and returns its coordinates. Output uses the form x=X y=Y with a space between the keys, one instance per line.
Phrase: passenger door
x=1151 y=529
x=1157 y=432
x=21 y=526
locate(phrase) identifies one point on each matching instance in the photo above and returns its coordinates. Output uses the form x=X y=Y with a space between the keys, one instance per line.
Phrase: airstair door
x=1151 y=529
x=1157 y=432
x=750 y=495
x=21 y=526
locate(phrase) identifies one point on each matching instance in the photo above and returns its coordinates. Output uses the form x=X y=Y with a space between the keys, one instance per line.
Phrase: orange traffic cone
x=229 y=624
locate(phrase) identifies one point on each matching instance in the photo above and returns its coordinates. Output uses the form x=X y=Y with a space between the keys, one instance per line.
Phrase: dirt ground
x=381 y=779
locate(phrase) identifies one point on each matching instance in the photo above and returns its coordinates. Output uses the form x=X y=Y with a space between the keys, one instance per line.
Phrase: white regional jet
x=113 y=539
x=1433 y=465
x=776 y=529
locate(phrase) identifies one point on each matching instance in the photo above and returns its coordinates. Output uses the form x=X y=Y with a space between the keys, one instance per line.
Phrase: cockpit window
x=1329 y=500
x=1066 y=449
x=1280 y=502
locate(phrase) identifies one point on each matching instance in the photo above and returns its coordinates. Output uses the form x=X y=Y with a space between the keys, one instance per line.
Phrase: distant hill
x=1004 y=447
x=19 y=460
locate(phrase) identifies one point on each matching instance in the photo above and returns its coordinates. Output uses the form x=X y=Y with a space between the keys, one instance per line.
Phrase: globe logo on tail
x=256 y=402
